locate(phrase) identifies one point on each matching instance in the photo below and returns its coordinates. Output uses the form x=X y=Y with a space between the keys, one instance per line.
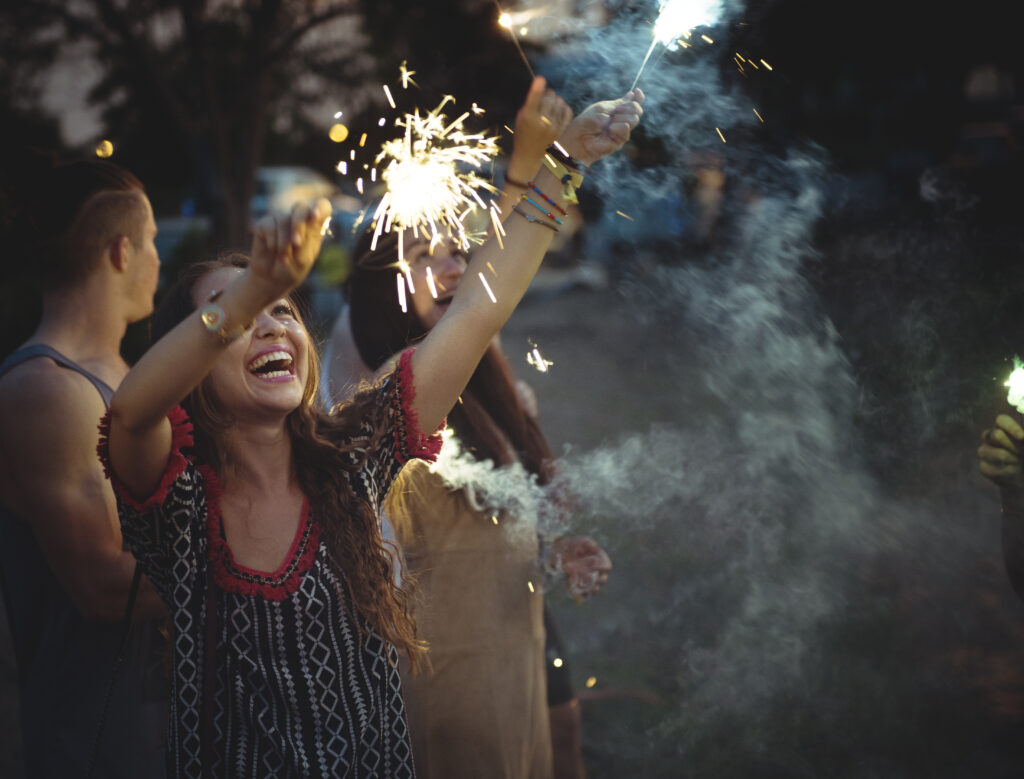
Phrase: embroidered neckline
x=235 y=577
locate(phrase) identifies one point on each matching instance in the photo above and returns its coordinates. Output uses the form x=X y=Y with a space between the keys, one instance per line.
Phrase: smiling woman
x=256 y=513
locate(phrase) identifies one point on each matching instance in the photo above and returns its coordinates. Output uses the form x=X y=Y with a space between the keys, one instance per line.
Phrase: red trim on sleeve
x=410 y=441
x=233 y=576
x=181 y=437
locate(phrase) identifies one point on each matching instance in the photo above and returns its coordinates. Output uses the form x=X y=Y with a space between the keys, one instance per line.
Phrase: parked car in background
x=278 y=188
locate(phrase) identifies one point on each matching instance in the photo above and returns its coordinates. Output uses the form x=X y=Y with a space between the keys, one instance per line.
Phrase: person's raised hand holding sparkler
x=603 y=128
x=999 y=460
x=999 y=456
x=497 y=277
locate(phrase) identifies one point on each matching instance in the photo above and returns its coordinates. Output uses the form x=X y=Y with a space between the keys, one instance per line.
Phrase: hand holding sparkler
x=999 y=456
x=539 y=123
x=604 y=127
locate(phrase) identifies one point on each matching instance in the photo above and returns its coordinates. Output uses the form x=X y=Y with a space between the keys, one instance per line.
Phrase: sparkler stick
x=1015 y=395
x=506 y=21
x=676 y=18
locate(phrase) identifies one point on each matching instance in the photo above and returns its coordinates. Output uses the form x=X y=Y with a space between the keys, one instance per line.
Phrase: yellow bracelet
x=570 y=179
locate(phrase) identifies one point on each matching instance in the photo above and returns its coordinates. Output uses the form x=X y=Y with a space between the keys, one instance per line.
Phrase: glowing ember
x=487 y=287
x=530 y=585
x=1015 y=395
x=104 y=149
x=387 y=93
x=536 y=359
x=625 y=216
x=407 y=76
x=720 y=134
x=431 y=176
x=758 y=116
x=591 y=681
x=678 y=17
x=400 y=280
x=430 y=283
x=494 y=519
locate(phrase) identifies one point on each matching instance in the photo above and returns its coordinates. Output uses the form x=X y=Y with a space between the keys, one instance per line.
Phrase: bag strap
x=209 y=677
x=126 y=625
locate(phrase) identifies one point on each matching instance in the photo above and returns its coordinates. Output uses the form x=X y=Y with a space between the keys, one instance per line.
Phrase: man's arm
x=54 y=481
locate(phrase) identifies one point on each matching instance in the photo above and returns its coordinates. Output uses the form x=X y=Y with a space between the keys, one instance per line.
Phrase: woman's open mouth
x=276 y=364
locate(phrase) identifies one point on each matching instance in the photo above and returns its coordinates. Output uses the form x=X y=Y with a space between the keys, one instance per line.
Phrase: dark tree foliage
x=191 y=88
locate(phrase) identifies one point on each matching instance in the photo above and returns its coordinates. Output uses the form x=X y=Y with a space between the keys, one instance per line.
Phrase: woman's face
x=264 y=371
x=446 y=265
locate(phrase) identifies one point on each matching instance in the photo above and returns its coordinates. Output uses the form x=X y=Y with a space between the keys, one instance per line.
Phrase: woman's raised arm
x=283 y=251
x=446 y=359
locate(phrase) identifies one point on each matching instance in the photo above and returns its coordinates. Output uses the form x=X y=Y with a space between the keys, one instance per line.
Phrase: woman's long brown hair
x=490 y=415
x=322 y=447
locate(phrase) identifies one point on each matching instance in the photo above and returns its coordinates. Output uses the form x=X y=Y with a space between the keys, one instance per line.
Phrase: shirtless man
x=65 y=575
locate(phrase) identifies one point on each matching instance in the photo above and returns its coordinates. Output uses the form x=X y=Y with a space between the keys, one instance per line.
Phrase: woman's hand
x=539 y=123
x=585 y=564
x=284 y=247
x=999 y=454
x=604 y=127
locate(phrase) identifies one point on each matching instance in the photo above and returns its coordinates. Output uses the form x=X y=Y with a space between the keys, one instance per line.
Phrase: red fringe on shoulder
x=410 y=441
x=233 y=577
x=181 y=437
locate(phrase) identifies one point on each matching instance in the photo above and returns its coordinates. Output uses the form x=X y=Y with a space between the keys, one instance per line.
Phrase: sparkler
x=677 y=18
x=431 y=178
x=1015 y=395
x=506 y=21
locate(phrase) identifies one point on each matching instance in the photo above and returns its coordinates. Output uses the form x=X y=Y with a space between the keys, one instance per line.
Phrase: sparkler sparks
x=505 y=20
x=487 y=287
x=400 y=281
x=675 y=19
x=536 y=359
x=427 y=191
x=1015 y=395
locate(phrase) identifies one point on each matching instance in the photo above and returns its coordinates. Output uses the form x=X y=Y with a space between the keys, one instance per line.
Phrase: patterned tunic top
x=300 y=691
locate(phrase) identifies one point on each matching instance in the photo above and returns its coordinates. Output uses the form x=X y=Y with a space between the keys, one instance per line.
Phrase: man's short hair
x=79 y=209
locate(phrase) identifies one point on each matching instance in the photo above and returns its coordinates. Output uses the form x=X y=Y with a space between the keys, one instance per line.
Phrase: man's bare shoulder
x=48 y=418
x=41 y=386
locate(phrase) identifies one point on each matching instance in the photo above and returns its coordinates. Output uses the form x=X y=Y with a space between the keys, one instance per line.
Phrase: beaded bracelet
x=532 y=218
x=547 y=200
x=540 y=208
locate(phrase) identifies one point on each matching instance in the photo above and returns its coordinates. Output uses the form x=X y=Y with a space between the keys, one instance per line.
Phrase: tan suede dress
x=481 y=712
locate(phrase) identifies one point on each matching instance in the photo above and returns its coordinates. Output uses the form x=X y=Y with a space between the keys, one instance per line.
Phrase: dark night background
x=884 y=572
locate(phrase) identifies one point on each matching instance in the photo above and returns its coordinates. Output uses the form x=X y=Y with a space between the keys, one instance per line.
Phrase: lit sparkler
x=1015 y=395
x=431 y=178
x=505 y=20
x=676 y=18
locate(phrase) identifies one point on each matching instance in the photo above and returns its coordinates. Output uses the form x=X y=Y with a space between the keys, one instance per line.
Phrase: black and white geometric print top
x=300 y=691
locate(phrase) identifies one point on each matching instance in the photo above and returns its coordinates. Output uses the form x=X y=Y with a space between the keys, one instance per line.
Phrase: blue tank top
x=65 y=662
